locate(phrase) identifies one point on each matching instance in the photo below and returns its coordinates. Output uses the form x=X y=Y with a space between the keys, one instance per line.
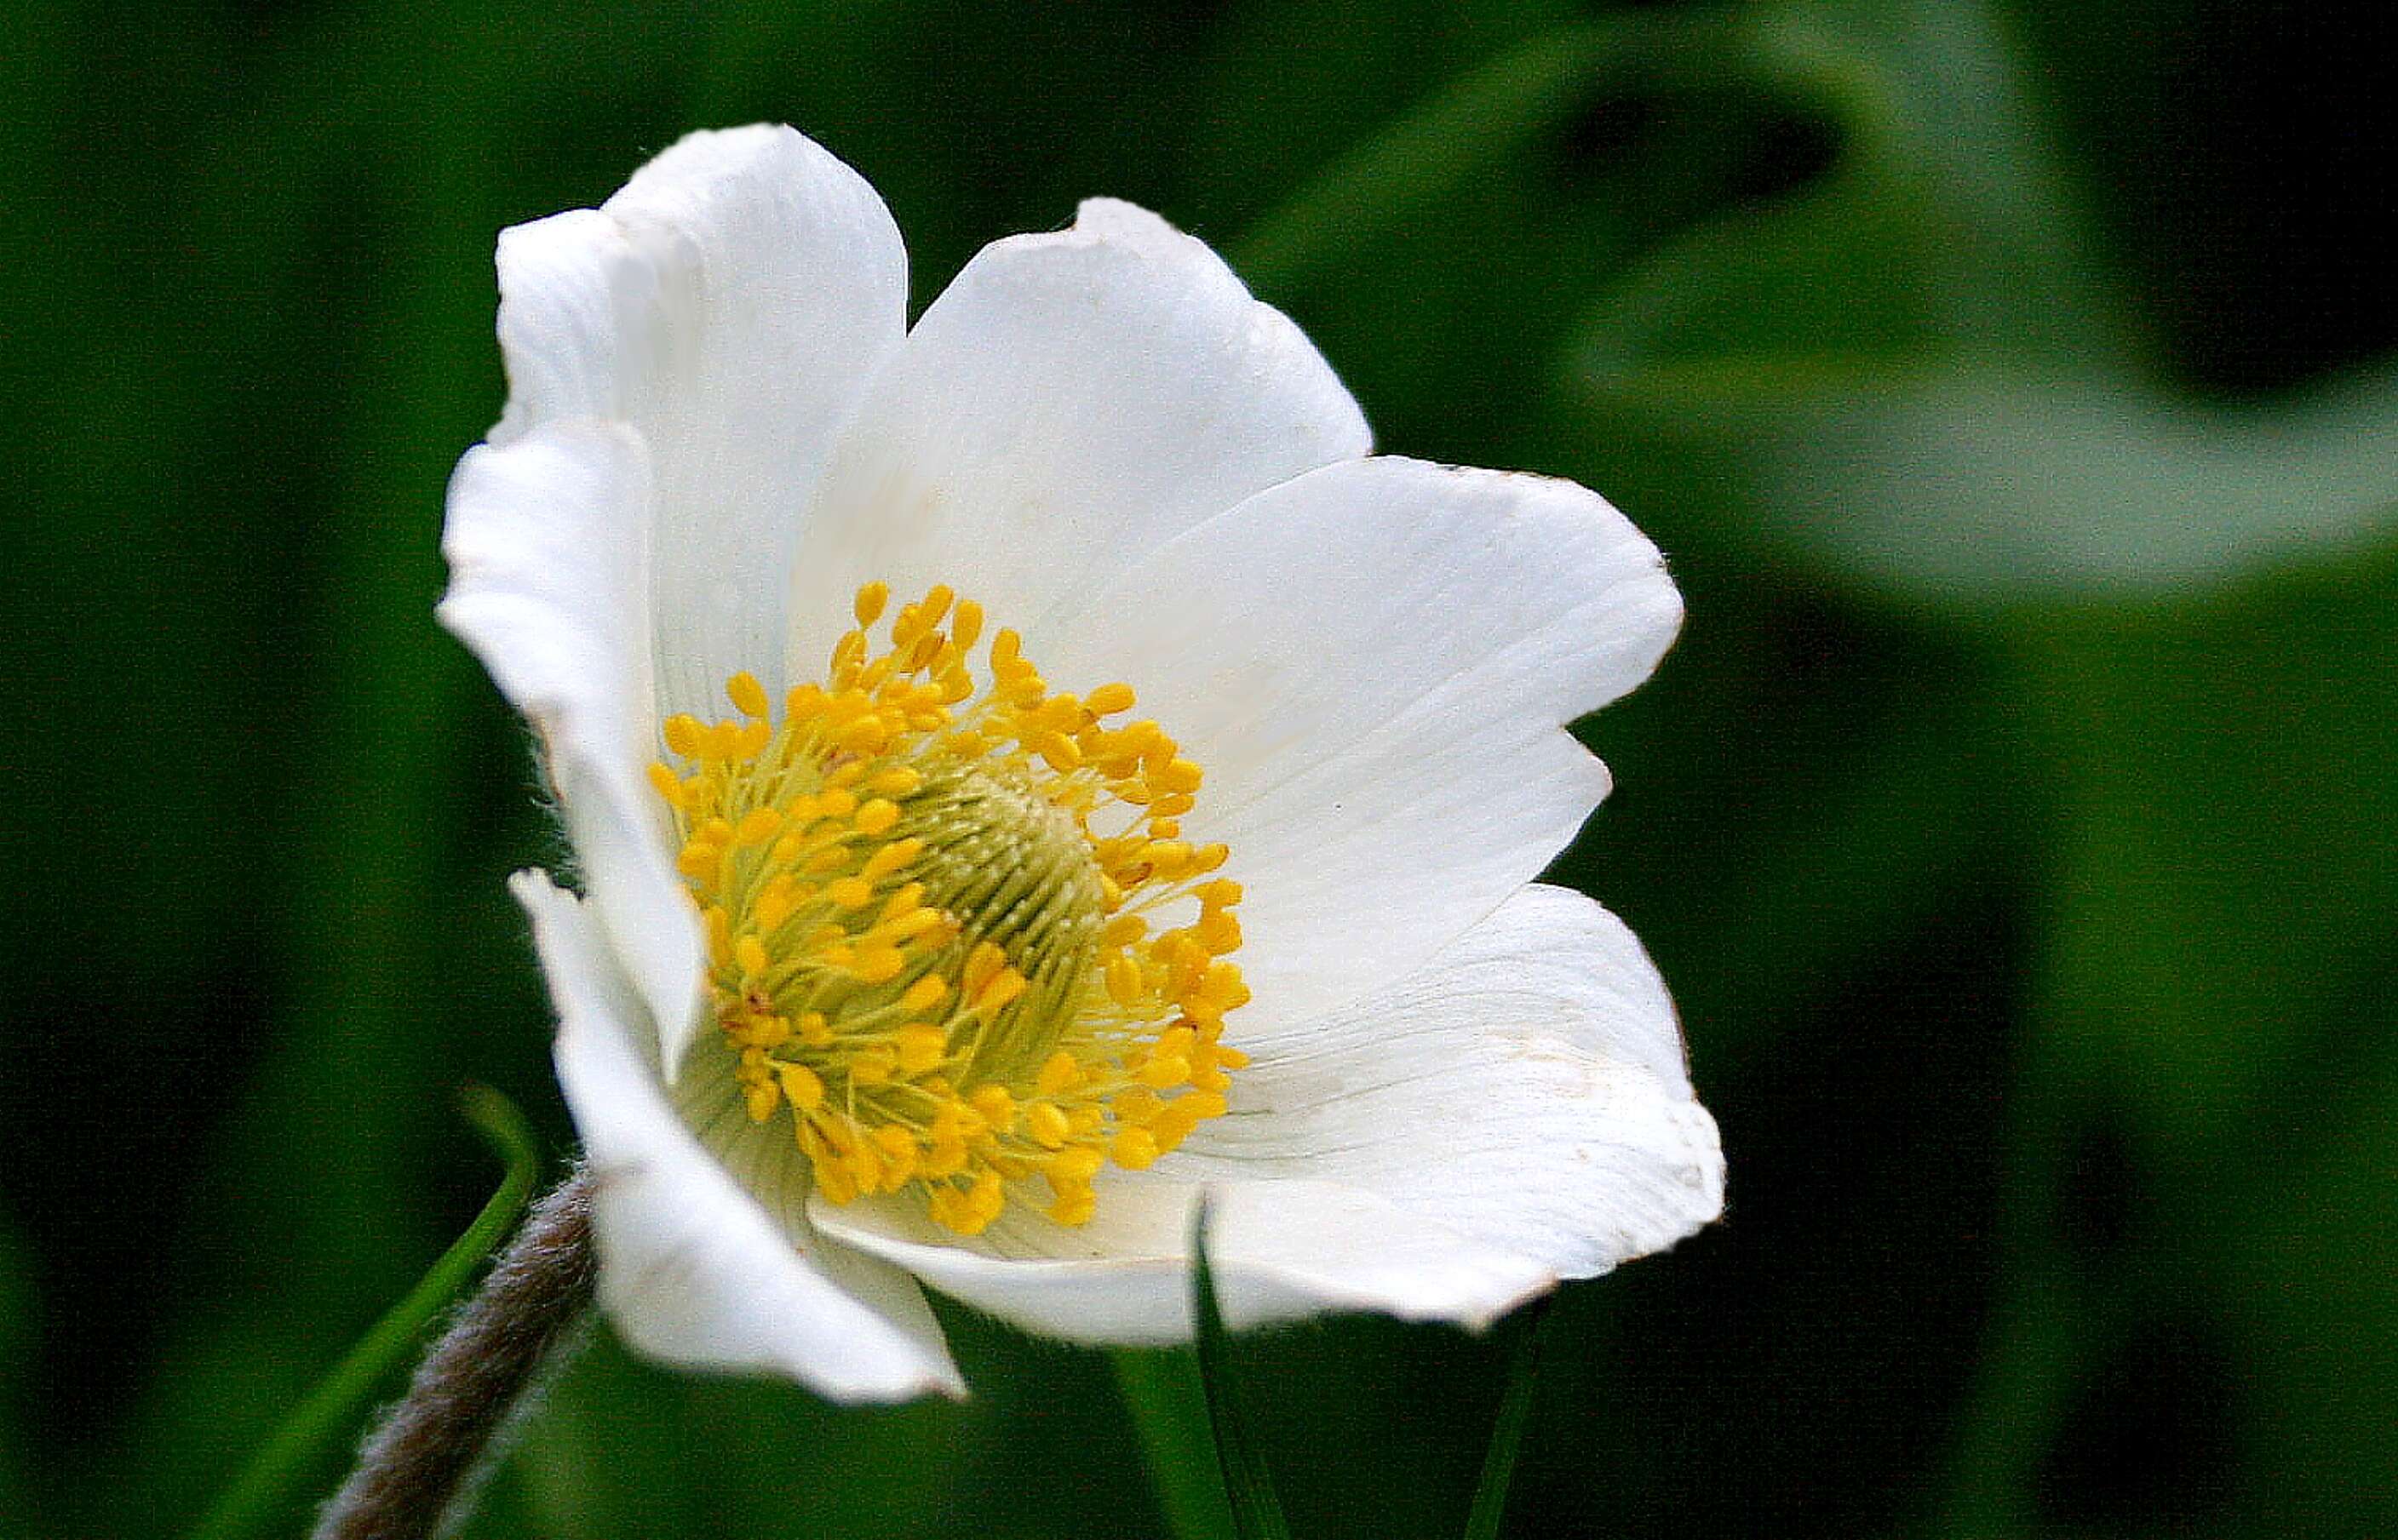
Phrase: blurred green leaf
x=19 y=1340
x=1977 y=487
x=2212 y=989
x=1908 y=375
x=265 y=1490
x=1378 y=189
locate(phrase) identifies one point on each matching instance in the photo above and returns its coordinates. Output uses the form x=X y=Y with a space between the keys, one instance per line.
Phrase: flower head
x=1032 y=768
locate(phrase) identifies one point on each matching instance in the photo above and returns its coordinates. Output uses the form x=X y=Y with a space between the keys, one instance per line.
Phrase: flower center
x=940 y=919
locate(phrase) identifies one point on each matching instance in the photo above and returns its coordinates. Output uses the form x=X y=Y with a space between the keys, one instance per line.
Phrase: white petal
x=1281 y=1251
x=1372 y=663
x=692 y=1268
x=1526 y=1089
x=729 y=303
x=1071 y=401
x=548 y=551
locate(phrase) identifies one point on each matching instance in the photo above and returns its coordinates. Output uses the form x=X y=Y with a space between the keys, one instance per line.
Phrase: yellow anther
x=1219 y=932
x=890 y=859
x=872 y=1065
x=914 y=923
x=751 y=954
x=683 y=735
x=1165 y=1071
x=1135 y=1149
x=1123 y=930
x=1059 y=1073
x=1108 y=700
x=851 y=893
x=668 y=784
x=1174 y=1125
x=876 y=817
x=803 y=1085
x=966 y=625
x=1165 y=856
x=984 y=964
x=1223 y=988
x=870 y=602
x=1221 y=893
x=999 y=992
x=762 y=1032
x=866 y=735
x=748 y=697
x=1123 y=980
x=879 y=964
x=1060 y=751
x=1047 y=1125
x=898 y=1158
x=836 y=802
x=924 y=994
x=996 y=1105
x=898 y=781
x=923 y=1047
x=956 y=1120
x=756 y=826
x=944 y=1156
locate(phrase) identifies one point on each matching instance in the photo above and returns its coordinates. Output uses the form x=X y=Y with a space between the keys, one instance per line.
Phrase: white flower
x=905 y=952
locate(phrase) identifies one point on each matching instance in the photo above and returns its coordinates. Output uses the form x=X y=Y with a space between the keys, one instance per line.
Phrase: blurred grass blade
x=1169 y=1410
x=1257 y=1514
x=1507 y=1437
x=264 y=1490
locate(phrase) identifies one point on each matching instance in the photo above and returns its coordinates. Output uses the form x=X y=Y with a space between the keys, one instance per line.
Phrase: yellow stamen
x=940 y=920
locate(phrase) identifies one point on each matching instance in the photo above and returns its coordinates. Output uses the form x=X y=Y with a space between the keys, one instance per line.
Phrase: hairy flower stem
x=434 y=1445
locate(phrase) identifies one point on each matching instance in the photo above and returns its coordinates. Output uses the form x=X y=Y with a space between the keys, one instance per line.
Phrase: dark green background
x=2011 y=387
